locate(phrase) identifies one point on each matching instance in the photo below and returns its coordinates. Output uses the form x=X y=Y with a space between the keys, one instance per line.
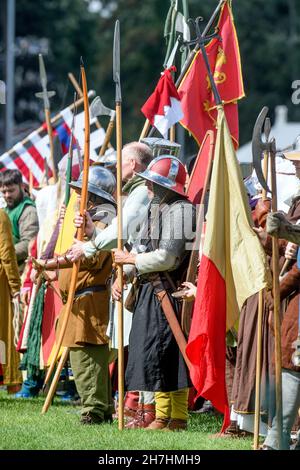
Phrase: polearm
x=188 y=61
x=258 y=147
x=79 y=91
x=261 y=304
x=117 y=80
x=45 y=95
x=70 y=159
x=80 y=231
x=91 y=94
x=66 y=350
x=97 y=108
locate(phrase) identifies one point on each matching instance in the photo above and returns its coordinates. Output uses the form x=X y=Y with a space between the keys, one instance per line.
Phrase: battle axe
x=259 y=147
x=97 y=108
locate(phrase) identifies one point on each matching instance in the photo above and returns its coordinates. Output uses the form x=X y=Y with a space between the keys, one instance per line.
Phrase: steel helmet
x=161 y=147
x=168 y=172
x=102 y=183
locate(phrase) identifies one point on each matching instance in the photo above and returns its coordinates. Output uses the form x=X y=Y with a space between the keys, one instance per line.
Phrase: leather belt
x=89 y=290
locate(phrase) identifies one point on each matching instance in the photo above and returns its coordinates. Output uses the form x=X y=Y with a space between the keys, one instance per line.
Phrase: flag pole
x=118 y=99
x=269 y=146
x=98 y=124
x=146 y=130
x=259 y=331
x=197 y=47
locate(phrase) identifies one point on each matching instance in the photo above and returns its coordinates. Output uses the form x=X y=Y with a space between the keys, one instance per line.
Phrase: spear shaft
x=80 y=231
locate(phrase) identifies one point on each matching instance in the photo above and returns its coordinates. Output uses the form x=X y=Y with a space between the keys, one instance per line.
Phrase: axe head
x=259 y=147
x=97 y=108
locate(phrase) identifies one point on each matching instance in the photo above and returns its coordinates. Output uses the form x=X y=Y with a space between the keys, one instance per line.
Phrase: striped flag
x=29 y=155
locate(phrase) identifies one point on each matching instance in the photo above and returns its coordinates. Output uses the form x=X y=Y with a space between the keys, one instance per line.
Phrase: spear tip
x=81 y=61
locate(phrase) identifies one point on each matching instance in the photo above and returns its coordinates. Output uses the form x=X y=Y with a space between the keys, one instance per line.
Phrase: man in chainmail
x=158 y=261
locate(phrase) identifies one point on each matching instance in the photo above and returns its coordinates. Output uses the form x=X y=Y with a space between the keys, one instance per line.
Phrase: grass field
x=23 y=427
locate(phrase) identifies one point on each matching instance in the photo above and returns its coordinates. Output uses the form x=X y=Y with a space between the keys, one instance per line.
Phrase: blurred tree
x=268 y=32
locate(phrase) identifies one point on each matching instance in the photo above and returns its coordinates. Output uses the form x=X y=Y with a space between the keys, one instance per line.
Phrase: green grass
x=23 y=427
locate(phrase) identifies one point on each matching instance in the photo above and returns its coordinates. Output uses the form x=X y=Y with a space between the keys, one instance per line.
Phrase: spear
x=70 y=158
x=117 y=80
x=45 y=95
x=80 y=231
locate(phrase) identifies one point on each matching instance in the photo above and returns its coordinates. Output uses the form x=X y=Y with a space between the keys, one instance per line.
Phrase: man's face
x=128 y=165
x=149 y=186
x=13 y=195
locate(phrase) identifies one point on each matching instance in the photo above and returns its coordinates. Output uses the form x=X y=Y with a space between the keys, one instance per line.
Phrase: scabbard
x=171 y=317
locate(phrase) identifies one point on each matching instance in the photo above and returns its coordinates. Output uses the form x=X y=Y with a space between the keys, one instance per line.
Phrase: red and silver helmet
x=168 y=172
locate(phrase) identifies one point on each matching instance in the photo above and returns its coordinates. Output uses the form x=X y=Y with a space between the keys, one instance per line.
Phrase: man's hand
x=89 y=225
x=190 y=292
x=76 y=251
x=62 y=214
x=291 y=251
x=261 y=233
x=25 y=296
x=123 y=257
x=34 y=275
x=116 y=291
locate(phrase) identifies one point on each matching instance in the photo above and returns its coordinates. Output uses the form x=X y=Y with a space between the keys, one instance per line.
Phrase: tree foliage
x=268 y=31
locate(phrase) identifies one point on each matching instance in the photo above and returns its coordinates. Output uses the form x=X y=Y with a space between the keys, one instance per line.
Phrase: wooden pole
x=187 y=307
x=79 y=91
x=55 y=380
x=259 y=337
x=120 y=270
x=173 y=134
x=80 y=231
x=107 y=137
x=277 y=321
x=191 y=56
x=145 y=130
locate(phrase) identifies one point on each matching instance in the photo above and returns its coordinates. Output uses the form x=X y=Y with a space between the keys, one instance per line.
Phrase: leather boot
x=144 y=417
x=176 y=425
x=158 y=424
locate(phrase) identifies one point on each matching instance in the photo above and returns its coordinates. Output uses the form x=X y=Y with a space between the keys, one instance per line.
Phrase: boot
x=145 y=415
x=158 y=424
x=131 y=404
x=176 y=425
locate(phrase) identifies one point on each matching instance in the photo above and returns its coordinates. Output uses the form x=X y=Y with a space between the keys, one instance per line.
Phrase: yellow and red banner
x=233 y=267
x=197 y=100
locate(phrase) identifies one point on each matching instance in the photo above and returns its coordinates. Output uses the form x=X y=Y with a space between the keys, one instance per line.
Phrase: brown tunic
x=243 y=395
x=89 y=316
x=9 y=285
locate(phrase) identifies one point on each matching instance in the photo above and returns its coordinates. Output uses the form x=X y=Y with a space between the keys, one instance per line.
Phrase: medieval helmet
x=293 y=152
x=168 y=172
x=102 y=183
x=161 y=146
